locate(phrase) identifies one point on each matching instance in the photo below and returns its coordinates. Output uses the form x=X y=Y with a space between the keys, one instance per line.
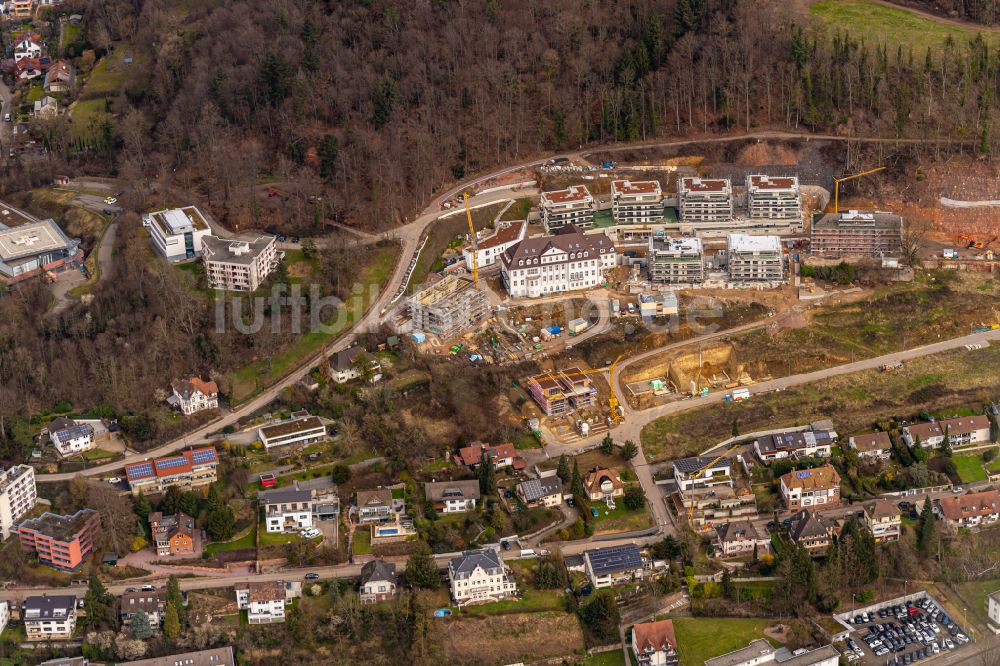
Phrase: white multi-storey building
x=239 y=265
x=675 y=260
x=287 y=509
x=49 y=617
x=17 y=496
x=491 y=249
x=566 y=261
x=574 y=205
x=263 y=602
x=774 y=198
x=303 y=429
x=705 y=201
x=177 y=233
x=636 y=202
x=754 y=258
x=479 y=576
x=193 y=395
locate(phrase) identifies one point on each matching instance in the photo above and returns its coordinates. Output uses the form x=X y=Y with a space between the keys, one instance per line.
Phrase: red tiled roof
x=971 y=505
x=654 y=635
x=506 y=235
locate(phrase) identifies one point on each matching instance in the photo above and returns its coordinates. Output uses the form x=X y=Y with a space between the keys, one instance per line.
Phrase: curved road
x=409 y=236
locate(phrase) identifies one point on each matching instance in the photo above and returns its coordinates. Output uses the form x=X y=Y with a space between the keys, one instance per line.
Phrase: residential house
x=754 y=258
x=872 y=445
x=546 y=491
x=46 y=107
x=375 y=506
x=613 y=566
x=4 y=615
x=703 y=472
x=378 y=581
x=69 y=437
x=883 y=520
x=344 y=365
x=562 y=391
x=740 y=538
x=705 y=201
x=603 y=485
x=27 y=46
x=453 y=496
x=565 y=261
x=993 y=608
x=61 y=77
x=300 y=429
x=774 y=198
x=675 y=260
x=221 y=656
x=795 y=444
x=819 y=486
x=961 y=431
x=286 y=509
x=502 y=455
x=177 y=234
x=62 y=542
x=49 y=618
x=759 y=651
x=194 y=395
x=636 y=202
x=17 y=497
x=238 y=264
x=480 y=576
x=172 y=534
x=573 y=206
x=811 y=530
x=491 y=249
x=151 y=602
x=187 y=470
x=265 y=602
x=22 y=9
x=654 y=643
x=971 y=509
x=28 y=69
x=856 y=233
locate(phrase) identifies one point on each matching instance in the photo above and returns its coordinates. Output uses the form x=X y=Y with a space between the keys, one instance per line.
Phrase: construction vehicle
x=972 y=242
x=475 y=242
x=838 y=181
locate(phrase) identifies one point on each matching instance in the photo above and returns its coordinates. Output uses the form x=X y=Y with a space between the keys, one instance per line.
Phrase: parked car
x=312 y=576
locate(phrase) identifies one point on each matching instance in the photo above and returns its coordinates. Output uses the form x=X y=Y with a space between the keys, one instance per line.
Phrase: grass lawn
x=527 y=441
x=108 y=75
x=275 y=538
x=70 y=32
x=970 y=468
x=35 y=93
x=994 y=466
x=877 y=23
x=702 y=638
x=87 y=117
x=612 y=658
x=975 y=594
x=362 y=542
x=620 y=519
x=250 y=379
x=435 y=466
x=243 y=542
x=98 y=454
x=518 y=210
x=534 y=601
x=298 y=266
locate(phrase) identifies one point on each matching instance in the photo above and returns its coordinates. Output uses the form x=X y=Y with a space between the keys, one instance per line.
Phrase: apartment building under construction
x=562 y=391
x=448 y=308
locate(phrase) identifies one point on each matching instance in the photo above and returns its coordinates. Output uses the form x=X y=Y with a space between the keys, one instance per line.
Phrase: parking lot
x=901 y=632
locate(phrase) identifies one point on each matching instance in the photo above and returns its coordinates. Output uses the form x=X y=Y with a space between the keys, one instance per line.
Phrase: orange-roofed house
x=971 y=509
x=194 y=395
x=655 y=643
x=502 y=455
x=603 y=484
x=490 y=249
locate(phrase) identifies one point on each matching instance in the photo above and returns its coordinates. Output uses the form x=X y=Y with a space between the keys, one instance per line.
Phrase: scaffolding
x=448 y=308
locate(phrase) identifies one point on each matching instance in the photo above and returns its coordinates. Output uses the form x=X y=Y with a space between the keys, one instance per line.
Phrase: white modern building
x=754 y=258
x=453 y=496
x=613 y=565
x=177 y=233
x=565 y=261
x=286 y=509
x=265 y=602
x=4 y=615
x=491 y=249
x=703 y=472
x=675 y=260
x=479 y=576
x=296 y=430
x=29 y=249
x=574 y=205
x=237 y=264
x=636 y=202
x=194 y=395
x=993 y=608
x=17 y=496
x=774 y=198
x=705 y=201
x=49 y=617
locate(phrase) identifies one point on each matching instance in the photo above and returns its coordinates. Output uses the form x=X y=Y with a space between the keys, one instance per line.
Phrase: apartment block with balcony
x=239 y=265
x=287 y=509
x=187 y=470
x=177 y=233
x=636 y=202
x=48 y=618
x=857 y=233
x=62 y=542
x=705 y=201
x=574 y=205
x=774 y=198
x=675 y=260
x=17 y=496
x=754 y=258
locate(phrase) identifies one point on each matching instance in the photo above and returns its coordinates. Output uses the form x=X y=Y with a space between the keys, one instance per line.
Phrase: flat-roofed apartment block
x=857 y=233
x=636 y=202
x=239 y=265
x=574 y=205
x=62 y=542
x=449 y=307
x=177 y=233
x=187 y=470
x=565 y=261
x=296 y=430
x=754 y=258
x=562 y=391
x=17 y=496
x=29 y=249
x=774 y=198
x=675 y=260
x=705 y=200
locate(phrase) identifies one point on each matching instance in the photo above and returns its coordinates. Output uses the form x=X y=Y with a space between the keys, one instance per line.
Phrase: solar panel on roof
x=803 y=475
x=203 y=456
x=170 y=463
x=139 y=470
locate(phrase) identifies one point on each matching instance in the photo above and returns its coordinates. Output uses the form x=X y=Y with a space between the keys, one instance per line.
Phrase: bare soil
x=505 y=639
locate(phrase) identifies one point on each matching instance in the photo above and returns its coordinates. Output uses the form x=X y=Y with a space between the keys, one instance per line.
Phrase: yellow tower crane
x=475 y=241
x=838 y=181
x=613 y=405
